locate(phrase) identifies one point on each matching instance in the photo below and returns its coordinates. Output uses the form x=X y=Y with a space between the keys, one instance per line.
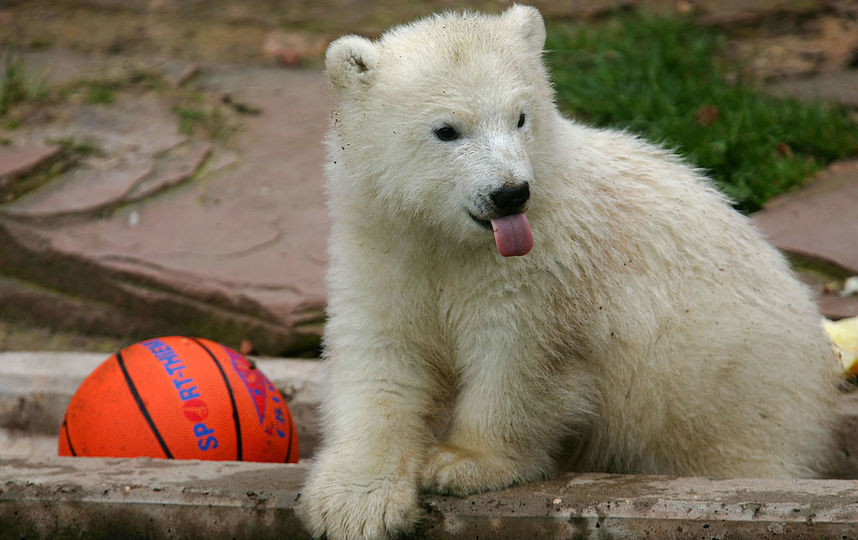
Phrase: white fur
x=650 y=329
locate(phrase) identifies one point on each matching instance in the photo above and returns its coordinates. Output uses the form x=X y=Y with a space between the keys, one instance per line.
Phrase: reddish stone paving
x=16 y=161
x=820 y=222
x=235 y=250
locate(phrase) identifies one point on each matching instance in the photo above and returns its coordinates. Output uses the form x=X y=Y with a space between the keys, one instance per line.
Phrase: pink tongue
x=512 y=235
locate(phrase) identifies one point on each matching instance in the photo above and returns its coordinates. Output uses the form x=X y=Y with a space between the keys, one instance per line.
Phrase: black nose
x=511 y=199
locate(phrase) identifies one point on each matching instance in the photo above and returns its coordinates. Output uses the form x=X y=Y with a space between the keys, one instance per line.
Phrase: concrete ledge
x=145 y=498
x=154 y=499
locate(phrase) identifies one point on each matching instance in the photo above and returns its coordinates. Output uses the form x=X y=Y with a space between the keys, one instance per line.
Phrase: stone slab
x=20 y=160
x=820 y=221
x=144 y=498
x=59 y=66
x=831 y=304
x=45 y=308
x=79 y=191
x=15 y=160
x=839 y=86
x=237 y=253
x=171 y=168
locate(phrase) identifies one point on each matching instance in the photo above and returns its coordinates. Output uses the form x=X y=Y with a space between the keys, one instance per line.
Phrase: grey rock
x=839 y=86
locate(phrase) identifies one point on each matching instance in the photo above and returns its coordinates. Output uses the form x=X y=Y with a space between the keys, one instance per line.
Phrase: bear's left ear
x=527 y=23
x=351 y=63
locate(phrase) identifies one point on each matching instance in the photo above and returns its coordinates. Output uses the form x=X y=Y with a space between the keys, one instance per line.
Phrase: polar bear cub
x=510 y=291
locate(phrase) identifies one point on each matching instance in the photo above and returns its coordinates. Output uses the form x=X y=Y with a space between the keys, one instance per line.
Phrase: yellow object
x=844 y=338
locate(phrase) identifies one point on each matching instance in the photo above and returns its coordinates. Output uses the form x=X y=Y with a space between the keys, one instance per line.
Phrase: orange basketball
x=179 y=398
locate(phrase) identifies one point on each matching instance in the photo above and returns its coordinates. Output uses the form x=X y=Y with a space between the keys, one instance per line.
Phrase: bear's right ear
x=351 y=62
x=527 y=24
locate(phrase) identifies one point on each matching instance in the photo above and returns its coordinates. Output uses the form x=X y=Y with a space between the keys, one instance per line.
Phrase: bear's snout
x=511 y=199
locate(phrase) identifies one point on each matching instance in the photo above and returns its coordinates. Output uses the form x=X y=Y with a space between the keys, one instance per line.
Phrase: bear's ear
x=351 y=62
x=527 y=24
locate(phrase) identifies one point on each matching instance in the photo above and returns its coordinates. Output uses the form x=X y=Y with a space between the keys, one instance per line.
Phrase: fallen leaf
x=707 y=115
x=784 y=150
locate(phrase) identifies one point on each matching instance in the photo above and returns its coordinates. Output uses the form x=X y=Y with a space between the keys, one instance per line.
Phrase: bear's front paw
x=460 y=471
x=347 y=507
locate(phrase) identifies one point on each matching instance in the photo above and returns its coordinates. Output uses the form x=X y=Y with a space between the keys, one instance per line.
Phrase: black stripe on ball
x=289 y=446
x=68 y=437
x=142 y=406
x=235 y=417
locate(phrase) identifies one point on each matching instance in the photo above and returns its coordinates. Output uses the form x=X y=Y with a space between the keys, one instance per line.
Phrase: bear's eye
x=521 y=120
x=447 y=133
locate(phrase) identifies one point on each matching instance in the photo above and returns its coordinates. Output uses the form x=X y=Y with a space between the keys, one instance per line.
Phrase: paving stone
x=238 y=253
x=170 y=168
x=59 y=66
x=17 y=161
x=840 y=86
x=80 y=190
x=819 y=221
x=43 y=307
x=746 y=12
x=176 y=70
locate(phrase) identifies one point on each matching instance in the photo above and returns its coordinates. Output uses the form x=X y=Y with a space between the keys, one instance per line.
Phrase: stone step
x=19 y=161
x=96 y=498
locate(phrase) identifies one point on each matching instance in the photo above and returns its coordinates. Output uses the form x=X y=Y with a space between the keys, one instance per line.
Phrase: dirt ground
x=782 y=37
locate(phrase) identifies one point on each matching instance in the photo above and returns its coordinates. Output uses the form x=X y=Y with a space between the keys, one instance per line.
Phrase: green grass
x=72 y=151
x=210 y=119
x=665 y=79
x=16 y=86
x=77 y=147
x=101 y=92
x=104 y=90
